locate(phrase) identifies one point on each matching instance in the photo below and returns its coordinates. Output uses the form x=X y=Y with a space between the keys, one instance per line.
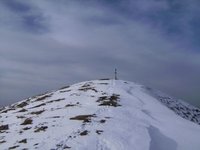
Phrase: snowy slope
x=101 y=115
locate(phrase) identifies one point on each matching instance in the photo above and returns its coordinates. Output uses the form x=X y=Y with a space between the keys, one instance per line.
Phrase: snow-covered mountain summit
x=101 y=115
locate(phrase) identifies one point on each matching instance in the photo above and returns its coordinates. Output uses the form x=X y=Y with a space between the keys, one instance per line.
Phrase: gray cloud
x=46 y=44
x=24 y=16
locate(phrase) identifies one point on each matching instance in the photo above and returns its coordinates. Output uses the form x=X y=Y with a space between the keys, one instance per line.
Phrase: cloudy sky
x=46 y=44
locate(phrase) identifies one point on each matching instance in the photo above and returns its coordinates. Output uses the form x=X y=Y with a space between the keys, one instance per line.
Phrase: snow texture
x=100 y=115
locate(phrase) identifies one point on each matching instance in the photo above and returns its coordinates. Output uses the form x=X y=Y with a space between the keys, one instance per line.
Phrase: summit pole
x=115 y=74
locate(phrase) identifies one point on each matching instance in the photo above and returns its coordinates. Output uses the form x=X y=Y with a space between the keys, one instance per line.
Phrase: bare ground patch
x=38 y=105
x=39 y=129
x=72 y=105
x=64 y=91
x=56 y=100
x=43 y=97
x=4 y=127
x=37 y=112
x=99 y=131
x=83 y=133
x=83 y=118
x=13 y=147
x=65 y=87
x=109 y=100
x=27 y=121
x=22 y=104
x=23 y=141
x=3 y=141
x=87 y=87
x=22 y=110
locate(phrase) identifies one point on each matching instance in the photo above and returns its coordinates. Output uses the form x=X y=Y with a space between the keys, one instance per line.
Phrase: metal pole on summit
x=115 y=74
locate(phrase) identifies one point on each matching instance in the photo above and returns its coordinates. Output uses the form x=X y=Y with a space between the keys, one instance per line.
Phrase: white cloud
x=87 y=42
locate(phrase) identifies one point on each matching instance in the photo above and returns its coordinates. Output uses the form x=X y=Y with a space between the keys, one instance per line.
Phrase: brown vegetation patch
x=109 y=100
x=13 y=147
x=39 y=105
x=84 y=118
x=22 y=104
x=65 y=87
x=39 y=95
x=43 y=97
x=105 y=79
x=22 y=110
x=3 y=141
x=20 y=117
x=66 y=147
x=27 y=121
x=42 y=128
x=84 y=133
x=102 y=121
x=23 y=141
x=4 y=127
x=55 y=117
x=99 y=131
x=57 y=100
x=9 y=109
x=72 y=105
x=87 y=87
x=37 y=112
x=65 y=91
x=102 y=98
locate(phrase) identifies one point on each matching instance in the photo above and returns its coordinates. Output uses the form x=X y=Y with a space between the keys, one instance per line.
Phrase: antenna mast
x=115 y=74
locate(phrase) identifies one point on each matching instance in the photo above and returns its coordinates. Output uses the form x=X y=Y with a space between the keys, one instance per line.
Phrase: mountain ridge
x=101 y=114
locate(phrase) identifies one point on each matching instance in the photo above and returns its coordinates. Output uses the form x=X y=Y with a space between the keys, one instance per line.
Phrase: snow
x=101 y=115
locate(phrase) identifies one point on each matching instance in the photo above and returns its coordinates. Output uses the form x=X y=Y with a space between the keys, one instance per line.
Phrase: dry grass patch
x=9 y=109
x=105 y=79
x=20 y=117
x=23 y=141
x=102 y=121
x=3 y=141
x=99 y=131
x=84 y=118
x=37 y=112
x=65 y=91
x=4 y=127
x=39 y=105
x=109 y=100
x=42 y=128
x=43 y=97
x=22 y=104
x=72 y=105
x=65 y=87
x=27 y=121
x=84 y=133
x=57 y=100
x=87 y=87
x=13 y=147
x=22 y=110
